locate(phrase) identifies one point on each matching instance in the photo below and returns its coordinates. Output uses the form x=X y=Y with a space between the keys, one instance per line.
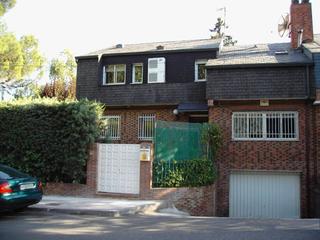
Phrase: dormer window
x=200 y=70
x=114 y=74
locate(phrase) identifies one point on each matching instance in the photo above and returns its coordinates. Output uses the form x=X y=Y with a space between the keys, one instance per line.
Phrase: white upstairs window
x=137 y=73
x=281 y=126
x=200 y=73
x=156 y=70
x=114 y=74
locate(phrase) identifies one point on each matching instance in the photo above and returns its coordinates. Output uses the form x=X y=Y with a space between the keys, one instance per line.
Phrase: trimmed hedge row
x=47 y=138
x=189 y=173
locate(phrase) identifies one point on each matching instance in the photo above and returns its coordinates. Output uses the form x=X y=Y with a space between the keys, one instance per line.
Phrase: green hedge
x=190 y=173
x=47 y=138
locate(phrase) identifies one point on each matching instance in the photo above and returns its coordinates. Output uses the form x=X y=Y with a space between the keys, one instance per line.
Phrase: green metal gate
x=175 y=143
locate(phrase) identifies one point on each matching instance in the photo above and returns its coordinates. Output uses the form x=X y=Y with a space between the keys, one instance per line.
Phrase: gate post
x=92 y=167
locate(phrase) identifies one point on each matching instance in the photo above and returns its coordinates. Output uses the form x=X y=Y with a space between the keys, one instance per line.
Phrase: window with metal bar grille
x=111 y=129
x=146 y=127
x=265 y=126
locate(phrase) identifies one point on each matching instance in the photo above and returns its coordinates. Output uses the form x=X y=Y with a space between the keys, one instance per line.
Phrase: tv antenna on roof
x=224 y=9
x=284 y=25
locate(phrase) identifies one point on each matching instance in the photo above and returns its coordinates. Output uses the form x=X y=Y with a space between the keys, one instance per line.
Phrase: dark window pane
x=201 y=72
x=273 y=126
x=120 y=77
x=110 y=77
x=138 y=73
x=288 y=127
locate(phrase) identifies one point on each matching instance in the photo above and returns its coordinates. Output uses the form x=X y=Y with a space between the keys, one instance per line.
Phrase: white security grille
x=146 y=127
x=265 y=126
x=112 y=127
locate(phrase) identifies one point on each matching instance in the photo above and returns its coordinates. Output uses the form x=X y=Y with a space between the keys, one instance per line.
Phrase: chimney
x=301 y=22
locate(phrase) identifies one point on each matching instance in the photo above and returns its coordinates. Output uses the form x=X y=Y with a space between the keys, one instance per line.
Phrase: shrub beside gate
x=47 y=138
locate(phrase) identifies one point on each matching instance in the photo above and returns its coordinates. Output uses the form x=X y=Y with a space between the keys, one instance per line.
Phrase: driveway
x=40 y=225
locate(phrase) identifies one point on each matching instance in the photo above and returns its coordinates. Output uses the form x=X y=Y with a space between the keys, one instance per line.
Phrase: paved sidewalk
x=97 y=206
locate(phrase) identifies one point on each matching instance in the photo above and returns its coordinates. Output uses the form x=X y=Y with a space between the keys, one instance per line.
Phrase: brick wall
x=316 y=187
x=129 y=120
x=246 y=155
x=196 y=201
x=261 y=155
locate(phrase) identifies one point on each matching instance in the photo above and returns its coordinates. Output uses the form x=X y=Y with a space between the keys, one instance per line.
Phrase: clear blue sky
x=83 y=26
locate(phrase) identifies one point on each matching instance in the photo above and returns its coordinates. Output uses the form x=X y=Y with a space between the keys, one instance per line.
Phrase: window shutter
x=156 y=70
x=161 y=70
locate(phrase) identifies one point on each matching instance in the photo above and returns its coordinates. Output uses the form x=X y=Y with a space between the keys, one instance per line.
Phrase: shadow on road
x=41 y=225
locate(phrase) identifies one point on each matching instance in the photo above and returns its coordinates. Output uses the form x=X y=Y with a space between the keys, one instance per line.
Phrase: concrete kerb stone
x=118 y=208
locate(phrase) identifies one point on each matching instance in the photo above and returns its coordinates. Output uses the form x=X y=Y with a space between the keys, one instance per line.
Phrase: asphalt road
x=35 y=225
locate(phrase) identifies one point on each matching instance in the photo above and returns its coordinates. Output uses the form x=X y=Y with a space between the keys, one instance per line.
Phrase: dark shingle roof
x=276 y=53
x=184 y=45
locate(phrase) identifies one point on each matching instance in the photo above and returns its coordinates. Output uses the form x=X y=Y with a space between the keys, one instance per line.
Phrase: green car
x=18 y=190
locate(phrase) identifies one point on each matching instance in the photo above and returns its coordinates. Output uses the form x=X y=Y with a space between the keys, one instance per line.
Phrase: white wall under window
x=276 y=126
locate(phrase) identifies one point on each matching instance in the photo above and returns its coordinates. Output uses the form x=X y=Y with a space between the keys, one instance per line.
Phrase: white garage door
x=119 y=168
x=264 y=195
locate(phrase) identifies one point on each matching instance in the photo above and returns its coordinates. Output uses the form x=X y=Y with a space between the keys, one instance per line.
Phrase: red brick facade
x=196 y=201
x=294 y=156
x=129 y=120
x=299 y=156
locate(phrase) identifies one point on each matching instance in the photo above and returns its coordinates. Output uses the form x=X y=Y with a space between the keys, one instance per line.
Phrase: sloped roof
x=314 y=47
x=184 y=45
x=258 y=54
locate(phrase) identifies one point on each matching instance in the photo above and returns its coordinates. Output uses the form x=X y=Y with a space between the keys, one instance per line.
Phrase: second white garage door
x=264 y=195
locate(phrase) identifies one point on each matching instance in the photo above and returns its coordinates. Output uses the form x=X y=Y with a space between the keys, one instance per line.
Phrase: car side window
x=8 y=172
x=4 y=176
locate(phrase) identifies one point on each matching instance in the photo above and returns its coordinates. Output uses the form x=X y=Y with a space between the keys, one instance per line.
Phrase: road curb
x=143 y=209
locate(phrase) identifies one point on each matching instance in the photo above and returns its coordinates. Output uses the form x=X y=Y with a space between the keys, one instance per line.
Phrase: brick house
x=264 y=97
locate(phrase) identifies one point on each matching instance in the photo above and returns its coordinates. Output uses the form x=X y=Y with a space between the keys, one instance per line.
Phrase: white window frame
x=134 y=75
x=264 y=126
x=116 y=136
x=196 y=63
x=150 y=70
x=115 y=74
x=144 y=133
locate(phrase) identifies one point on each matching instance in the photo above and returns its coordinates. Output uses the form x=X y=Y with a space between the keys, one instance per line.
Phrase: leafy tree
x=5 y=5
x=227 y=39
x=31 y=90
x=19 y=59
x=63 y=77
